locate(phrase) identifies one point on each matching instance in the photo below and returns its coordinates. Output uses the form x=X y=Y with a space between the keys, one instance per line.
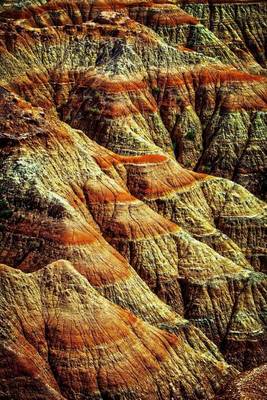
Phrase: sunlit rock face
x=132 y=250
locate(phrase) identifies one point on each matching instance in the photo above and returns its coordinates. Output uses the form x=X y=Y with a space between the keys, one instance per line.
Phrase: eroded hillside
x=125 y=274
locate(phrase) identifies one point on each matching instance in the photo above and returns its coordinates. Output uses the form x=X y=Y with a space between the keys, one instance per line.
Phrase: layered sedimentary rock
x=63 y=340
x=241 y=25
x=212 y=117
x=161 y=268
x=248 y=386
x=60 y=199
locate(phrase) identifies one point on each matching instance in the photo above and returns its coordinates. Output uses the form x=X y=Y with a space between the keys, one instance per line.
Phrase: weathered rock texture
x=248 y=386
x=64 y=340
x=125 y=275
x=241 y=25
x=210 y=115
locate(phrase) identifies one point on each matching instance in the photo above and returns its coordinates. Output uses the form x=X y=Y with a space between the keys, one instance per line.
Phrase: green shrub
x=5 y=214
x=94 y=110
x=206 y=168
x=3 y=204
x=174 y=146
x=5 y=211
x=191 y=135
x=156 y=90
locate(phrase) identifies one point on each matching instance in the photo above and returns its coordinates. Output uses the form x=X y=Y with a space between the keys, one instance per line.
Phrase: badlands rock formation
x=131 y=266
x=248 y=386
